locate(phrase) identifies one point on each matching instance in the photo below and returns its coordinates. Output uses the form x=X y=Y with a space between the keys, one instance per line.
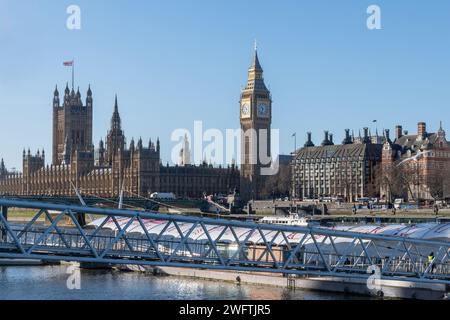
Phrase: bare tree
x=412 y=176
x=278 y=184
x=438 y=183
x=391 y=180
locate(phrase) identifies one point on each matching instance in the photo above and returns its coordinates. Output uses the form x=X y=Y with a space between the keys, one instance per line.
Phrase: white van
x=163 y=196
x=398 y=203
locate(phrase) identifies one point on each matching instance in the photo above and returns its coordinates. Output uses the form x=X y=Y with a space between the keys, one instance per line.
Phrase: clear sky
x=174 y=62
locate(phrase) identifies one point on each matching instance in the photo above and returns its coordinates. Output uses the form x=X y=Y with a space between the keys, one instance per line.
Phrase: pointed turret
x=78 y=96
x=56 y=97
x=2 y=168
x=115 y=120
x=255 y=80
x=150 y=144
x=89 y=97
x=132 y=145
x=441 y=131
x=255 y=63
x=115 y=140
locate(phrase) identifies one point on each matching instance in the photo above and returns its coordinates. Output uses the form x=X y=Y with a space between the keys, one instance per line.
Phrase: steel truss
x=313 y=251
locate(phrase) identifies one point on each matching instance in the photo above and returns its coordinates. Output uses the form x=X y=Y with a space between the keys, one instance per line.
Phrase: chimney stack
x=366 y=138
x=325 y=141
x=347 y=139
x=309 y=142
x=387 y=135
x=331 y=138
x=398 y=132
x=421 y=129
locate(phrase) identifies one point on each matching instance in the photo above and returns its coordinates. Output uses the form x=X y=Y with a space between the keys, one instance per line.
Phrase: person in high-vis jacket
x=431 y=261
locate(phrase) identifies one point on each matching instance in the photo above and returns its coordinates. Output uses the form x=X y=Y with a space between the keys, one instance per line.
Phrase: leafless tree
x=438 y=182
x=278 y=184
x=390 y=178
x=412 y=175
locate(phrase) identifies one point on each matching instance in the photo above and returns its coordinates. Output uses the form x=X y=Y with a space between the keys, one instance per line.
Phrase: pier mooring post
x=4 y=213
x=81 y=219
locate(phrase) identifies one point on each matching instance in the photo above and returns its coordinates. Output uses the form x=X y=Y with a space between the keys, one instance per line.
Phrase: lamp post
x=295 y=141
x=293 y=196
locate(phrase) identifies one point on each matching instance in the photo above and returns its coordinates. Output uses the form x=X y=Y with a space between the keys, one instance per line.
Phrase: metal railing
x=313 y=251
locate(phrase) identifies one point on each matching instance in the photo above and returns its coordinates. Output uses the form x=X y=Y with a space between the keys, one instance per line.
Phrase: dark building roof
x=285 y=159
x=371 y=151
x=411 y=141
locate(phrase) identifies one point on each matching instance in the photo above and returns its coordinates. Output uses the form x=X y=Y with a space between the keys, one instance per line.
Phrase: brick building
x=420 y=161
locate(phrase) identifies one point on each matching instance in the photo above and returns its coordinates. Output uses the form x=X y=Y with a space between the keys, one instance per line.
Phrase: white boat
x=292 y=220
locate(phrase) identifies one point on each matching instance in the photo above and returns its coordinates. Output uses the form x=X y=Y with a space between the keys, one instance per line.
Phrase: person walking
x=431 y=261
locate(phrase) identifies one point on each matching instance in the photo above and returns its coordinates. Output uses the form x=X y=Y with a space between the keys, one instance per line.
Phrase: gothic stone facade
x=105 y=170
x=346 y=171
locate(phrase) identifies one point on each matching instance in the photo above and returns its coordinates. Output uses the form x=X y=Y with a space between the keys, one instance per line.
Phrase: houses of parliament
x=135 y=168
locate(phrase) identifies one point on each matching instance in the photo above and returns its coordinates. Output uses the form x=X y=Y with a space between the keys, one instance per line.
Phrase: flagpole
x=73 y=77
x=295 y=142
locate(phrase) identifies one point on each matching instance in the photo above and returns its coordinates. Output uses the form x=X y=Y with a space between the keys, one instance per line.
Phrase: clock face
x=245 y=109
x=263 y=109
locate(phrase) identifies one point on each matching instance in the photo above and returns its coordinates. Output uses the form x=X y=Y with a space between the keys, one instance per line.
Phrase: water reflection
x=49 y=282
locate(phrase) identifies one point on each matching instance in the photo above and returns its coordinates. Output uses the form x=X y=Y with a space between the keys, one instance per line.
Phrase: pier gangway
x=55 y=232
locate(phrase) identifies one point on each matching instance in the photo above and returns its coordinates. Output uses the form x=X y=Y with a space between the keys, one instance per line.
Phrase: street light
x=295 y=141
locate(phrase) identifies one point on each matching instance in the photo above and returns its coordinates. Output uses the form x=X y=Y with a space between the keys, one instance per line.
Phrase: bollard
x=5 y=212
x=3 y=233
x=81 y=219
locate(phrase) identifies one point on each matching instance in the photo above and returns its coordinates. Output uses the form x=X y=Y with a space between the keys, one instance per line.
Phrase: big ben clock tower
x=255 y=118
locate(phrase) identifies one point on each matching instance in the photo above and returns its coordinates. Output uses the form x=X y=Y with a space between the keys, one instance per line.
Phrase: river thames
x=50 y=283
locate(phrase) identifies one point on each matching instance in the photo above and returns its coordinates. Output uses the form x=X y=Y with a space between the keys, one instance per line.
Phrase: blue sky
x=174 y=62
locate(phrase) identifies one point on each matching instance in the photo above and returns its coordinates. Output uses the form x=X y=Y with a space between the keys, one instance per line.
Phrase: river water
x=50 y=283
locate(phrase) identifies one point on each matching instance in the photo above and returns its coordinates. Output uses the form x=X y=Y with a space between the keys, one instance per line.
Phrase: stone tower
x=185 y=153
x=72 y=124
x=255 y=119
x=115 y=140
